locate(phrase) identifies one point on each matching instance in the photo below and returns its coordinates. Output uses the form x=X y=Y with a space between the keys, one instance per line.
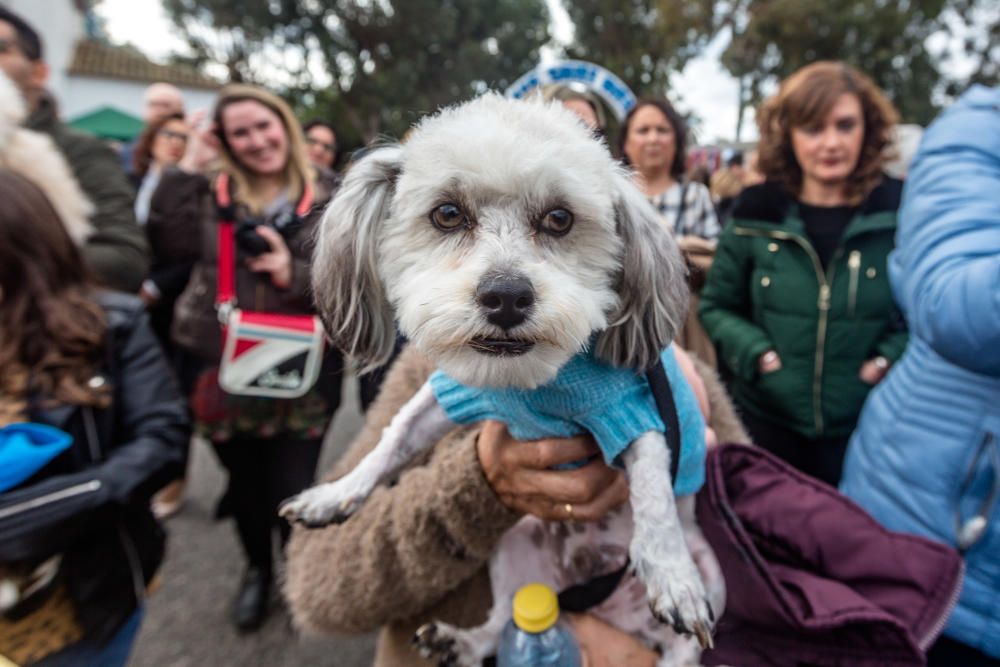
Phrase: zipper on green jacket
x=854 y=265
x=825 y=280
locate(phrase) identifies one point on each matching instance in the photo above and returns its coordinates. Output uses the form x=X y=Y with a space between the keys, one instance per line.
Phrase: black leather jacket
x=91 y=504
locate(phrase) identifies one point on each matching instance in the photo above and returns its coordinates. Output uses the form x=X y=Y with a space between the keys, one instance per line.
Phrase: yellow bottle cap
x=536 y=608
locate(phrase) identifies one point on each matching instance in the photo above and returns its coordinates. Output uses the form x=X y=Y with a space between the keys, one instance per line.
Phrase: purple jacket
x=811 y=578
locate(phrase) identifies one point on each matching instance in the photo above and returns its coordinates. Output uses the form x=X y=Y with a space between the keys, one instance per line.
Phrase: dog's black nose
x=506 y=300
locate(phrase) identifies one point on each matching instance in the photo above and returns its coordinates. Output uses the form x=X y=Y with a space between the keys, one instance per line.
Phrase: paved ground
x=187 y=622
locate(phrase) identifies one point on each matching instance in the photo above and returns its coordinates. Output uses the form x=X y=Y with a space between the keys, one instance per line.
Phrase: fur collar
x=769 y=201
x=34 y=156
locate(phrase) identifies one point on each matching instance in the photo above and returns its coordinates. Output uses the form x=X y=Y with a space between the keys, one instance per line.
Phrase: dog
x=514 y=251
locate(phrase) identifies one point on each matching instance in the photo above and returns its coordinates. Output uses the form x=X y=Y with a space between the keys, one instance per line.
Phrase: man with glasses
x=117 y=250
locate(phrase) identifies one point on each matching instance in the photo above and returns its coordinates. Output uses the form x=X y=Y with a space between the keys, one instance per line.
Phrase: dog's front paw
x=445 y=643
x=677 y=596
x=320 y=506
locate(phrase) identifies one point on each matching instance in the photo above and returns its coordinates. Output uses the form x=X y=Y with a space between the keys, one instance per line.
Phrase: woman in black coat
x=78 y=544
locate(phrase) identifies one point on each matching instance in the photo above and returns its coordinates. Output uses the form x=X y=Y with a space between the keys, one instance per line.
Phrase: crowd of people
x=854 y=321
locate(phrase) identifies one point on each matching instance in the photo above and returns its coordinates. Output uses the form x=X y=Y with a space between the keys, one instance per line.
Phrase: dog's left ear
x=348 y=291
x=652 y=290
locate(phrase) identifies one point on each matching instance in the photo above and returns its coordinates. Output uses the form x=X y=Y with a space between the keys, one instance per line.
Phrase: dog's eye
x=448 y=217
x=557 y=222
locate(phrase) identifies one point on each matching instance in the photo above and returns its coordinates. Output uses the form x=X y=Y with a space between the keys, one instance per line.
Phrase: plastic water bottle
x=535 y=636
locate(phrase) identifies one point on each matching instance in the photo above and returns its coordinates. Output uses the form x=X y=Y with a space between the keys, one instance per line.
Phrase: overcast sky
x=703 y=87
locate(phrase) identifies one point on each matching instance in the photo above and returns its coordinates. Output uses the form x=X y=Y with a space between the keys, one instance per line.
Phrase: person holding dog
x=798 y=301
x=925 y=457
x=418 y=550
x=269 y=446
x=91 y=426
x=418 y=547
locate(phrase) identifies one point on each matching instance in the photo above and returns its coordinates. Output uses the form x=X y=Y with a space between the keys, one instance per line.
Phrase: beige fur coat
x=416 y=550
x=35 y=157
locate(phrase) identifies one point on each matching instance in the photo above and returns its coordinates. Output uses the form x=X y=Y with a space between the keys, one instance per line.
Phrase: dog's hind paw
x=444 y=642
x=319 y=506
x=677 y=598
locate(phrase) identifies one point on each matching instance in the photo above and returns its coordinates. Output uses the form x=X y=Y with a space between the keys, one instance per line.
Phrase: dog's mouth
x=501 y=347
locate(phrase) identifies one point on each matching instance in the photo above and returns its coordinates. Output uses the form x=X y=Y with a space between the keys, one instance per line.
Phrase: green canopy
x=109 y=123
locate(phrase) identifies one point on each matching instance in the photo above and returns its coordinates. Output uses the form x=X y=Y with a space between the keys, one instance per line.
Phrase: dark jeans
x=87 y=653
x=823 y=458
x=950 y=653
x=262 y=473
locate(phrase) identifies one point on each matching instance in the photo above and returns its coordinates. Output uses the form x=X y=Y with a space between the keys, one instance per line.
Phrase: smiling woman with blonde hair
x=798 y=301
x=253 y=155
x=248 y=167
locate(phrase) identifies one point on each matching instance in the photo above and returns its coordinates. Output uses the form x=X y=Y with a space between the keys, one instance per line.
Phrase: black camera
x=251 y=244
x=248 y=240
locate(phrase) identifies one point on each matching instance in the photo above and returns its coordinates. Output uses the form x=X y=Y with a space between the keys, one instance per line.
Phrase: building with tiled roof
x=108 y=81
x=91 y=78
x=96 y=59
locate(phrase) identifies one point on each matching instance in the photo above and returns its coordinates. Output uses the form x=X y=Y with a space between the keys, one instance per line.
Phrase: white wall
x=60 y=26
x=83 y=94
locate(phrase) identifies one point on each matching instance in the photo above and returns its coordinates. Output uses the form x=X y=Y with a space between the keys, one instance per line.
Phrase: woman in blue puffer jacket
x=925 y=457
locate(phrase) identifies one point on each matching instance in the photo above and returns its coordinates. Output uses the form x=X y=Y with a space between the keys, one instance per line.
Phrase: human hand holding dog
x=603 y=645
x=520 y=473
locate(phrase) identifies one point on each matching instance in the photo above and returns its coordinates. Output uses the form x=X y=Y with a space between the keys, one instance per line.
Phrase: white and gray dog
x=508 y=242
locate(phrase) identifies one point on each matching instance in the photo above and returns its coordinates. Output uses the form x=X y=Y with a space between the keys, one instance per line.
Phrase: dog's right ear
x=349 y=294
x=653 y=289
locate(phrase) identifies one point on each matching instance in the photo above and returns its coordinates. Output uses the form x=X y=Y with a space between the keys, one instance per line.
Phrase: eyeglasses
x=11 y=44
x=329 y=148
x=8 y=45
x=170 y=134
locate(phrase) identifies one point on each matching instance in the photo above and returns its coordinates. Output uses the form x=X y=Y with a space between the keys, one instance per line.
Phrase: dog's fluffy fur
x=34 y=156
x=617 y=276
x=506 y=164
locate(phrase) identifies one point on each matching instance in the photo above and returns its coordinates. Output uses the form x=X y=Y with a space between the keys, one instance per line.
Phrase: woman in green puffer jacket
x=798 y=302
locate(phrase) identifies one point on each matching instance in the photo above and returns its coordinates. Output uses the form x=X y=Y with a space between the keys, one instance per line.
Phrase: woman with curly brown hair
x=798 y=302
x=91 y=425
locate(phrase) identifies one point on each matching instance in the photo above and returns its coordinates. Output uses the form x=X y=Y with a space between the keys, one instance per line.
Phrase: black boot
x=250 y=606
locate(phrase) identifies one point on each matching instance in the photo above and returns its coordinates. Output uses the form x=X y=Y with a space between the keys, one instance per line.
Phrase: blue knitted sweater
x=615 y=405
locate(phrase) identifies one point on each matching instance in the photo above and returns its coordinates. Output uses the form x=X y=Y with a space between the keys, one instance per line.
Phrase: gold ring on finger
x=569 y=511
